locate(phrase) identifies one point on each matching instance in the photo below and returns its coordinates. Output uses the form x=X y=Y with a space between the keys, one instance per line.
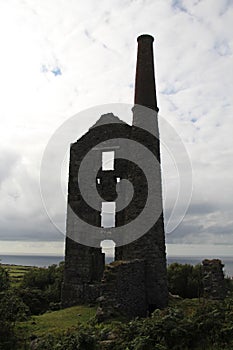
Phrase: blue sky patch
x=56 y=71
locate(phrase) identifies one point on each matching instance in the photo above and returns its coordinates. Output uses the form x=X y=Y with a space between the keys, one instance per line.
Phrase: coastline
x=47 y=260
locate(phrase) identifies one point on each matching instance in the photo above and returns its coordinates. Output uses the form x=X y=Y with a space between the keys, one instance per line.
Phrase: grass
x=51 y=322
x=16 y=273
x=56 y=321
x=61 y=320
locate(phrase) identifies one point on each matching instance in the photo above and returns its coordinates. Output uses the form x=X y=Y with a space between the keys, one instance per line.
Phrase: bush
x=209 y=325
x=185 y=280
x=45 y=279
x=84 y=339
x=40 y=288
x=4 y=279
x=12 y=309
x=35 y=299
x=7 y=336
x=229 y=285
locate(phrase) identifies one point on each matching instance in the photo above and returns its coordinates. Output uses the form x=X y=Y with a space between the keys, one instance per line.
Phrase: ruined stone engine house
x=136 y=282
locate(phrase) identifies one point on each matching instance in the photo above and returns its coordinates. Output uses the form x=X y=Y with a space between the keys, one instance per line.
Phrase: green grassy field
x=16 y=273
x=54 y=322
x=62 y=320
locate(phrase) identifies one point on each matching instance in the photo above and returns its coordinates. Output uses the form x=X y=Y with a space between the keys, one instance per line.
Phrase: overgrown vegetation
x=191 y=323
x=4 y=279
x=34 y=291
x=12 y=309
x=40 y=288
x=188 y=324
x=185 y=280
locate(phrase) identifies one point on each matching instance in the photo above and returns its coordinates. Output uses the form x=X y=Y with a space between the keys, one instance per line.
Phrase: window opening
x=108 y=160
x=108 y=213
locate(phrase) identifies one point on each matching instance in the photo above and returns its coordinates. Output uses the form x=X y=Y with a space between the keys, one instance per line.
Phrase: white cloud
x=93 y=44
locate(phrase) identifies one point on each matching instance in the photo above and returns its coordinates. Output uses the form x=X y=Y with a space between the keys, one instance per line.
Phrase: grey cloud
x=195 y=209
x=200 y=209
x=22 y=215
x=193 y=82
x=202 y=230
x=89 y=36
x=30 y=230
x=222 y=48
x=8 y=160
x=178 y=5
x=226 y=4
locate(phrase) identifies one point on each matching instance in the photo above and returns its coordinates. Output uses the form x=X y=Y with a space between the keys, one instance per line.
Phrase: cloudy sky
x=59 y=57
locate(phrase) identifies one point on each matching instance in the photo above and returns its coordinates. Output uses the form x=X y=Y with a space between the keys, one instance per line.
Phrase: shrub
x=185 y=280
x=40 y=288
x=4 y=279
x=12 y=309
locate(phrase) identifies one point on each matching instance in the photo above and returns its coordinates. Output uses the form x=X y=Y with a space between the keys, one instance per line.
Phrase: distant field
x=16 y=272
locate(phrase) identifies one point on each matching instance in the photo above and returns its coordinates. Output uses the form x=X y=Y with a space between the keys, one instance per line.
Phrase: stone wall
x=84 y=263
x=123 y=290
x=84 y=267
x=150 y=248
x=213 y=280
x=85 y=293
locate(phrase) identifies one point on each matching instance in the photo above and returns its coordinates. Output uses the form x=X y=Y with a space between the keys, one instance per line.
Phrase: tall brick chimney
x=145 y=90
x=150 y=247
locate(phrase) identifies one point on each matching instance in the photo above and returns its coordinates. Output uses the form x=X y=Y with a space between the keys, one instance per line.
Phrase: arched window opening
x=108 y=248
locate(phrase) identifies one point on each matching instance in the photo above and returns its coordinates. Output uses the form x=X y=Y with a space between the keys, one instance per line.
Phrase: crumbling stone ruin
x=135 y=284
x=213 y=279
x=123 y=290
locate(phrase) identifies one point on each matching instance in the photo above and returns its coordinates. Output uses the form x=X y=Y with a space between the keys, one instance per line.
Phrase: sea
x=45 y=261
x=30 y=260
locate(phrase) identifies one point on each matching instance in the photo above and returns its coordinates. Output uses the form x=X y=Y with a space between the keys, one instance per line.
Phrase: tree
x=12 y=309
x=41 y=288
x=185 y=280
x=4 y=279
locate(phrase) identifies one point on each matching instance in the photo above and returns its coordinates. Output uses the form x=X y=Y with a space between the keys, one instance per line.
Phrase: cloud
x=8 y=160
x=23 y=216
x=179 y=5
x=90 y=48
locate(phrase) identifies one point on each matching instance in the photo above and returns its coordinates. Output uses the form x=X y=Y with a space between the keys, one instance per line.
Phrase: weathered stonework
x=123 y=290
x=136 y=283
x=84 y=267
x=213 y=280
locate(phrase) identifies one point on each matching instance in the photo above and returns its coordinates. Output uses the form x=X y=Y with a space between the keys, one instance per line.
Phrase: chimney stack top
x=145 y=90
x=145 y=37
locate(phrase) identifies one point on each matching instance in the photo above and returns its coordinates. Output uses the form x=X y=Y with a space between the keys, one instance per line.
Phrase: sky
x=61 y=57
